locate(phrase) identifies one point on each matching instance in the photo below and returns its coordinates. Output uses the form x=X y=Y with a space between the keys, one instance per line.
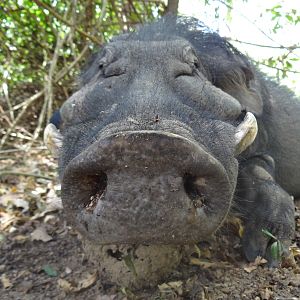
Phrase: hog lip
x=111 y=222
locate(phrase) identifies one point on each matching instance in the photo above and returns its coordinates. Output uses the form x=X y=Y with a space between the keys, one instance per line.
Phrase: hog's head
x=150 y=140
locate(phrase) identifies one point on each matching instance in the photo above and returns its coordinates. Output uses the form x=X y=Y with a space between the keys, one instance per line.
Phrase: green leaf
x=276 y=250
x=128 y=259
x=289 y=18
x=50 y=271
x=288 y=64
x=269 y=234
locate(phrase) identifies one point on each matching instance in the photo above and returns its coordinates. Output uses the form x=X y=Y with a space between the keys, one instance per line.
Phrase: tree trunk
x=172 y=6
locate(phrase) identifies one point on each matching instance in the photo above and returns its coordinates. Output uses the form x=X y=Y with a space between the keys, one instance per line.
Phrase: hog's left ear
x=245 y=133
x=53 y=139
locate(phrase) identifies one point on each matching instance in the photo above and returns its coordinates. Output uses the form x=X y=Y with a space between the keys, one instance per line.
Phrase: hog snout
x=146 y=187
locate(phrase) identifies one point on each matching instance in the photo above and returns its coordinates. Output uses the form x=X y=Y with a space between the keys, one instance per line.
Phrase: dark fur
x=268 y=171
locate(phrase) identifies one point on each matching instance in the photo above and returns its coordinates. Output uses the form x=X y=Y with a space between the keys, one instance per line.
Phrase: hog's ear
x=53 y=139
x=239 y=82
x=245 y=133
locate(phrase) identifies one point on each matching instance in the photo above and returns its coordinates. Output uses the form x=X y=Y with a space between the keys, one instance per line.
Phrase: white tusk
x=245 y=133
x=53 y=139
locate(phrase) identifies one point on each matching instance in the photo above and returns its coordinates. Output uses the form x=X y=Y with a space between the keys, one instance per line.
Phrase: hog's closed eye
x=184 y=70
x=109 y=65
x=114 y=69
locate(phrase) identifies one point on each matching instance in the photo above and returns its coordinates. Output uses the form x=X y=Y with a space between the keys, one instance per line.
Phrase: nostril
x=97 y=185
x=195 y=188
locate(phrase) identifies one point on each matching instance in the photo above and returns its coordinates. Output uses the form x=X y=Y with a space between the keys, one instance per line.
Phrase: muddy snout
x=146 y=187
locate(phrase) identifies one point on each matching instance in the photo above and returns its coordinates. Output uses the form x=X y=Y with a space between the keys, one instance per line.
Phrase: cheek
x=70 y=110
x=75 y=140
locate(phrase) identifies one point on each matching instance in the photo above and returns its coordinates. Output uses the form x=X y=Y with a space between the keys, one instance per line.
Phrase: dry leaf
x=266 y=294
x=82 y=284
x=295 y=280
x=14 y=200
x=5 y=281
x=65 y=285
x=87 y=282
x=289 y=261
x=207 y=264
x=237 y=223
x=253 y=265
x=6 y=199
x=53 y=202
x=40 y=234
x=20 y=238
x=25 y=286
x=201 y=263
x=106 y=297
x=175 y=286
x=250 y=269
x=259 y=261
x=197 y=250
x=7 y=219
x=14 y=189
x=295 y=251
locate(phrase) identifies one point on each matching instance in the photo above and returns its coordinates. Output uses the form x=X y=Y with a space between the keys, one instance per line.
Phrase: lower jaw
x=135 y=266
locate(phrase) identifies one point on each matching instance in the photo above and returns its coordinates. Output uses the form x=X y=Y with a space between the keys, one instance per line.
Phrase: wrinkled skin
x=149 y=152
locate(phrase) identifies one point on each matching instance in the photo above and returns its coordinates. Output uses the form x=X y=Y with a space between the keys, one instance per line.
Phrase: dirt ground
x=41 y=257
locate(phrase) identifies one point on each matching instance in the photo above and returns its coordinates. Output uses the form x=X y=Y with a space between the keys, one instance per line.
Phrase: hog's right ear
x=53 y=139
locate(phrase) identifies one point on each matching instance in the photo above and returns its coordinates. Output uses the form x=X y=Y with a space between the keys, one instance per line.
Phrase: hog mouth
x=146 y=187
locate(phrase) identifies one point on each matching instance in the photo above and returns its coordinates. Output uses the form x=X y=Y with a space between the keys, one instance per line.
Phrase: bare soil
x=41 y=257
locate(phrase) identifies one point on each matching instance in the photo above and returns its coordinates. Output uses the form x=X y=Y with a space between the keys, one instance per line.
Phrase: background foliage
x=44 y=43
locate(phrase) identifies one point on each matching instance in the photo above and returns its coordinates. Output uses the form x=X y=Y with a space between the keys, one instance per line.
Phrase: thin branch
x=251 y=22
x=172 y=6
x=26 y=103
x=56 y=15
x=103 y=10
x=11 y=10
x=24 y=108
x=30 y=100
x=59 y=43
x=134 y=10
x=231 y=8
x=265 y=46
x=62 y=73
x=4 y=116
x=12 y=150
x=278 y=69
x=67 y=69
x=6 y=96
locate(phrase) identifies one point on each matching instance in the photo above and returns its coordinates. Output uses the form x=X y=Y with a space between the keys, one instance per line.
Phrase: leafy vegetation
x=30 y=31
x=276 y=247
x=44 y=43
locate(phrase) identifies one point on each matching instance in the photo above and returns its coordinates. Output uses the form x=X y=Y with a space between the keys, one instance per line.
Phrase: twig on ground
x=21 y=150
x=5 y=173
